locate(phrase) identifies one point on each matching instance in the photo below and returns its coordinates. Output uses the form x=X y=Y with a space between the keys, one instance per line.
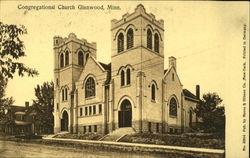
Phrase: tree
x=212 y=114
x=11 y=49
x=5 y=102
x=44 y=105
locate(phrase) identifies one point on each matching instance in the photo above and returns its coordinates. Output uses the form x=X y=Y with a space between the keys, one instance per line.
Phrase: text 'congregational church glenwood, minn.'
x=132 y=91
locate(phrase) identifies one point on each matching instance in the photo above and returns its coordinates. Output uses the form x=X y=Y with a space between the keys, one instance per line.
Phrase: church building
x=133 y=90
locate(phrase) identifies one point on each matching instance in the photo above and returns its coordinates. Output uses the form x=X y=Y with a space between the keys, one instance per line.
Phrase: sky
x=205 y=37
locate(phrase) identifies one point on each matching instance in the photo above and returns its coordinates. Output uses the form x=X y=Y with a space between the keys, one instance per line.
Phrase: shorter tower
x=70 y=56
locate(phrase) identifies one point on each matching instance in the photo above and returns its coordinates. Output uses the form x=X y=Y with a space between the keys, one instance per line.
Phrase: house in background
x=21 y=120
x=132 y=91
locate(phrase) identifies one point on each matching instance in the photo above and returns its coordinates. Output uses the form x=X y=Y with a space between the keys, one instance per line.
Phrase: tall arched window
x=61 y=60
x=173 y=107
x=80 y=58
x=62 y=94
x=156 y=43
x=130 y=38
x=128 y=76
x=66 y=58
x=120 y=42
x=90 y=87
x=122 y=78
x=149 y=39
x=66 y=94
x=153 y=92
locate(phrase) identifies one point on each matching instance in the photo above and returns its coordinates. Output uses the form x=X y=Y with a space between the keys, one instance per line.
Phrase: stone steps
x=118 y=134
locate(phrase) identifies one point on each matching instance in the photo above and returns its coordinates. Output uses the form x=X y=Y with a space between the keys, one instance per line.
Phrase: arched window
x=90 y=87
x=173 y=107
x=66 y=58
x=153 y=92
x=66 y=94
x=130 y=38
x=120 y=42
x=149 y=39
x=80 y=58
x=62 y=94
x=61 y=60
x=122 y=78
x=128 y=76
x=156 y=43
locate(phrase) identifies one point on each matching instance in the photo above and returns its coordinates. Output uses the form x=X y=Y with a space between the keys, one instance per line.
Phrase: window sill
x=172 y=116
x=92 y=97
x=85 y=116
x=153 y=101
x=125 y=86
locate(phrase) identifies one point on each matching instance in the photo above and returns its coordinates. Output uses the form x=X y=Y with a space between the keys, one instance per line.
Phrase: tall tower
x=137 y=68
x=70 y=56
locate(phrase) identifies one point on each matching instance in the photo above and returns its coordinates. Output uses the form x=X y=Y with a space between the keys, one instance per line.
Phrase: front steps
x=117 y=134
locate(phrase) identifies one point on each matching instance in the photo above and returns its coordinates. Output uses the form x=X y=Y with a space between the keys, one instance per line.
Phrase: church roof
x=190 y=96
x=107 y=67
x=165 y=71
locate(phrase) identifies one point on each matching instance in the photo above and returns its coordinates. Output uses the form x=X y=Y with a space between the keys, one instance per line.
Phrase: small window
x=90 y=110
x=171 y=130
x=66 y=94
x=149 y=126
x=172 y=76
x=89 y=128
x=153 y=92
x=149 y=39
x=80 y=58
x=57 y=106
x=122 y=78
x=94 y=110
x=86 y=111
x=84 y=129
x=62 y=94
x=128 y=76
x=120 y=43
x=57 y=82
x=87 y=57
x=100 y=108
x=130 y=38
x=61 y=60
x=80 y=111
x=66 y=58
x=173 y=107
x=156 y=43
x=95 y=128
x=157 y=127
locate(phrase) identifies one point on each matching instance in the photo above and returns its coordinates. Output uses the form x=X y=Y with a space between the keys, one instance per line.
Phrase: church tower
x=70 y=56
x=137 y=42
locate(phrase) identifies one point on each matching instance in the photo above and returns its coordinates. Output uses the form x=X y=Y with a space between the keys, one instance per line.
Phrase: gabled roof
x=190 y=96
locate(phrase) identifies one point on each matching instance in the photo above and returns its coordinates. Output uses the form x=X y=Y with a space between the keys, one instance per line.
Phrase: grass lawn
x=89 y=136
x=200 y=140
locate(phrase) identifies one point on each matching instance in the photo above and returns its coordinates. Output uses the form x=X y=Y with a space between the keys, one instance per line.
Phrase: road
x=11 y=149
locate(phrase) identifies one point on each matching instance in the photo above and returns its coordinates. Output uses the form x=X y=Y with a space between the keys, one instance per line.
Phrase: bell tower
x=70 y=56
x=137 y=42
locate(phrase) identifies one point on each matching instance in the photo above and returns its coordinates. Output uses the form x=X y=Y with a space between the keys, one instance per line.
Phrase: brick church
x=133 y=90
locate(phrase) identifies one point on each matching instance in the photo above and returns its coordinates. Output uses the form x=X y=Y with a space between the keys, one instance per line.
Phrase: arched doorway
x=125 y=114
x=64 y=121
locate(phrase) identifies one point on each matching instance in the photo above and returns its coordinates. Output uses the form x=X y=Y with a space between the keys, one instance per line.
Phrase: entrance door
x=64 y=121
x=125 y=114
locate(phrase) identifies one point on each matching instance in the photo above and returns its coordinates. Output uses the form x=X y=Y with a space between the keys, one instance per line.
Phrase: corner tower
x=70 y=56
x=137 y=68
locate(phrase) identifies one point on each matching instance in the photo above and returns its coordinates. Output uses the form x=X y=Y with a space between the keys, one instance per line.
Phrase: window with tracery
x=90 y=87
x=120 y=43
x=130 y=38
x=173 y=107
x=149 y=39
x=156 y=43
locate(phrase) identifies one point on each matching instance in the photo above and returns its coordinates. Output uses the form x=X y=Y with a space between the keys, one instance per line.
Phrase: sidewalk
x=147 y=147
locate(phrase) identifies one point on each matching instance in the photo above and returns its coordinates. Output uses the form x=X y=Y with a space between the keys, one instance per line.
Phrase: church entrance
x=125 y=114
x=64 y=121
